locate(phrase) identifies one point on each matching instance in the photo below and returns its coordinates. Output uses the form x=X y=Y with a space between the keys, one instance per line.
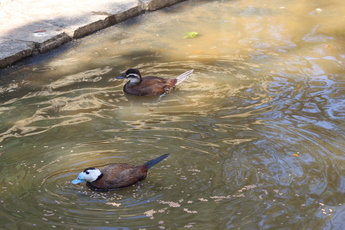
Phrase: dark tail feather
x=156 y=161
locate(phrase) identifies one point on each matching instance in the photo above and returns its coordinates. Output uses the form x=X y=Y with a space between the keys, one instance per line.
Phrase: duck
x=116 y=176
x=150 y=85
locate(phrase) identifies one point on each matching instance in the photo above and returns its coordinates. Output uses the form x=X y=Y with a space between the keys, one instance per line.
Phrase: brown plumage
x=118 y=176
x=146 y=86
x=115 y=176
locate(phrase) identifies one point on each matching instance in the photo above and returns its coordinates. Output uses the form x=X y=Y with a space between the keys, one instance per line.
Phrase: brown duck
x=150 y=85
x=115 y=176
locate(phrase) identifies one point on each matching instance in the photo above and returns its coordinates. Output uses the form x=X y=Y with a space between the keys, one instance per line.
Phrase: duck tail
x=184 y=76
x=155 y=161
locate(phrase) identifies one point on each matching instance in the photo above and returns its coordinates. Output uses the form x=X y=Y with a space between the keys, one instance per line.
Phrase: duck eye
x=87 y=173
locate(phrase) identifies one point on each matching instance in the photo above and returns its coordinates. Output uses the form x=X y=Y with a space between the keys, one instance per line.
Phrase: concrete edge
x=58 y=40
x=10 y=60
x=52 y=43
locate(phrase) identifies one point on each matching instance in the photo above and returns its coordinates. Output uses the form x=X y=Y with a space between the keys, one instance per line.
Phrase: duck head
x=133 y=75
x=89 y=175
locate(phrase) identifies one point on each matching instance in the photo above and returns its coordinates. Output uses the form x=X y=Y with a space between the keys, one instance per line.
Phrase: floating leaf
x=295 y=155
x=191 y=34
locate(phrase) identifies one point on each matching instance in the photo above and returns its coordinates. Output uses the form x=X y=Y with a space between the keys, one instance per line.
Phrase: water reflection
x=256 y=134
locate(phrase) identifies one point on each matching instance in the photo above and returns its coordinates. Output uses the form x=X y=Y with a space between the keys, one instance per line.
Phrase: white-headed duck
x=115 y=176
x=147 y=86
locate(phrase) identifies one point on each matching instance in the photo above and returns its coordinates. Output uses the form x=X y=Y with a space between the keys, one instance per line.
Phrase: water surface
x=256 y=135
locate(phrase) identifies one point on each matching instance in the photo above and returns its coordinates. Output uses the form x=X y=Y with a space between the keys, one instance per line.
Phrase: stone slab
x=40 y=33
x=76 y=18
x=13 y=51
x=44 y=25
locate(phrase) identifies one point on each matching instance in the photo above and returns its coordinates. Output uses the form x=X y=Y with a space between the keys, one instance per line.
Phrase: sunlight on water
x=256 y=135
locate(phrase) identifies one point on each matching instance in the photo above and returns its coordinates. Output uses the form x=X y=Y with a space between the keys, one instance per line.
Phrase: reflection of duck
x=115 y=176
x=146 y=86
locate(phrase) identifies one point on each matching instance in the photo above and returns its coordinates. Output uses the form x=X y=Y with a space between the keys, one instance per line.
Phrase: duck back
x=150 y=86
x=117 y=176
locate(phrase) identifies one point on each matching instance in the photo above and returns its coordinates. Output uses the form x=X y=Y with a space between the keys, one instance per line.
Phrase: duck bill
x=77 y=181
x=121 y=76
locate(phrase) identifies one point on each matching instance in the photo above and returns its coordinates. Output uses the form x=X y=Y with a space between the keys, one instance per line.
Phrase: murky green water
x=256 y=134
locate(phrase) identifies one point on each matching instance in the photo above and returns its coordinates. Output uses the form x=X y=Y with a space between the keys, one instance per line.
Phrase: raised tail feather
x=184 y=76
x=156 y=161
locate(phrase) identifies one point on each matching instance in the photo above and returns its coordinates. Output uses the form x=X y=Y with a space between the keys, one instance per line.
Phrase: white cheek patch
x=133 y=78
x=92 y=175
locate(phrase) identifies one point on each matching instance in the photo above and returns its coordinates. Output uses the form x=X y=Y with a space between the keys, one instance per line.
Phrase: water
x=256 y=135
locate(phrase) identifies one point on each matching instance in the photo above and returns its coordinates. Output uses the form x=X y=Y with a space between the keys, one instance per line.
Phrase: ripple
x=256 y=134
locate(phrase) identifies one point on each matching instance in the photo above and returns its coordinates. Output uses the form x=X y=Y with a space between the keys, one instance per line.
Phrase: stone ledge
x=52 y=43
x=110 y=20
x=14 y=51
x=38 y=26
